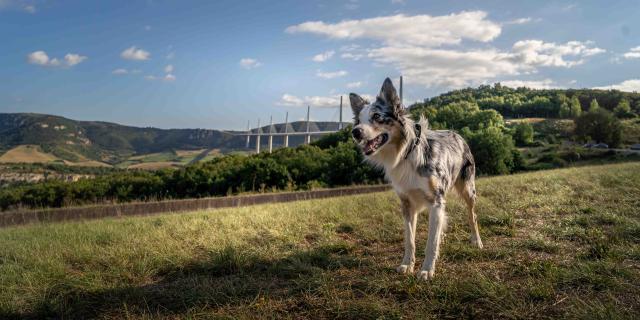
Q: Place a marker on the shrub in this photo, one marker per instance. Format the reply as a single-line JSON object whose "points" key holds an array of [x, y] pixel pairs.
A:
{"points": [[599, 125], [523, 134]]}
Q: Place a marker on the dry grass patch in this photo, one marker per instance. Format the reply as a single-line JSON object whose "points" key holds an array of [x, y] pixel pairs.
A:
{"points": [[27, 154]]}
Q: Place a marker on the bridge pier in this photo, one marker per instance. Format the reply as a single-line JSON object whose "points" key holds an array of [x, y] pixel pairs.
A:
{"points": [[258, 131], [248, 134], [308, 137], [271, 135], [286, 130]]}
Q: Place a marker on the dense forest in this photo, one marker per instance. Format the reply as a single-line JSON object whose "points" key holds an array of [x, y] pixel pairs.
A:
{"points": [[334, 160], [549, 103]]}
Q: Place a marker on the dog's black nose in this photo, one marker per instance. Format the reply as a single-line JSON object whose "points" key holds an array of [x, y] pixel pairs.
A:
{"points": [[357, 133]]}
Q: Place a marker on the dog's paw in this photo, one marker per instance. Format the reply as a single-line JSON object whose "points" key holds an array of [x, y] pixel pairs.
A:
{"points": [[405, 269], [425, 275], [477, 243]]}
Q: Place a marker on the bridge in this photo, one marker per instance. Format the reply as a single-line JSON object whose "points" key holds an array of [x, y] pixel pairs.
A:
{"points": [[286, 134]]}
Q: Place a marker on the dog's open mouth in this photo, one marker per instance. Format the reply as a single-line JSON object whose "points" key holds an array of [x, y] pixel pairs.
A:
{"points": [[374, 144]]}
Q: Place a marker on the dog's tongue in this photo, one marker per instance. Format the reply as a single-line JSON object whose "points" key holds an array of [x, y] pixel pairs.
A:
{"points": [[370, 147]]}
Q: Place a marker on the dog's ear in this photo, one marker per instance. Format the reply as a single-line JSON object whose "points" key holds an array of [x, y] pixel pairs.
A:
{"points": [[357, 103], [389, 94]]}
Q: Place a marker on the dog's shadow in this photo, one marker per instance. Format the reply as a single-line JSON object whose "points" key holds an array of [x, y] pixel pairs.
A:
{"points": [[226, 278]]}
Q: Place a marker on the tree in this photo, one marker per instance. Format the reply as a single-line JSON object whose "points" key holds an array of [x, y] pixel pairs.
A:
{"points": [[456, 115], [623, 109], [576, 107], [593, 106], [523, 134], [492, 150], [565, 111], [599, 125], [484, 119]]}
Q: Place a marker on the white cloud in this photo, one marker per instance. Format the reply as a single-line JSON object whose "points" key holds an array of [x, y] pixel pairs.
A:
{"points": [[426, 49], [634, 53], [331, 75], [631, 85], [120, 71], [42, 59], [71, 59], [18, 5], [170, 56], [432, 67], [397, 2], [167, 78], [419, 30], [533, 84], [169, 68], [324, 56], [352, 56], [356, 84], [519, 21], [38, 57], [134, 53], [539, 53], [350, 47], [249, 63], [453, 68], [289, 100]]}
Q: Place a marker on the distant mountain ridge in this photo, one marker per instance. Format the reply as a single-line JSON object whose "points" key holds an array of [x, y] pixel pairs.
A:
{"points": [[111, 143]]}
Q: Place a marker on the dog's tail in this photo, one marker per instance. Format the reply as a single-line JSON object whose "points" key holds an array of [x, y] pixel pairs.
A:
{"points": [[468, 173], [468, 170]]}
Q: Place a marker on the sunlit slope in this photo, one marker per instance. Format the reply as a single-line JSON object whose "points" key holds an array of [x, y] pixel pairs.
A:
{"points": [[558, 244]]}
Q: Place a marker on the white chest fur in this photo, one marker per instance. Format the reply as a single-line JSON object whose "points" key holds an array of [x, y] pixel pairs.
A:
{"points": [[404, 178]]}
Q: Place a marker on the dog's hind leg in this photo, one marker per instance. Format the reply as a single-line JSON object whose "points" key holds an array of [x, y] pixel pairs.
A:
{"points": [[467, 191], [437, 222], [410, 215]]}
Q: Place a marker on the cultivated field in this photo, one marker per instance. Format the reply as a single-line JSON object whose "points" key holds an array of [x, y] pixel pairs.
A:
{"points": [[27, 154], [558, 244], [152, 161]]}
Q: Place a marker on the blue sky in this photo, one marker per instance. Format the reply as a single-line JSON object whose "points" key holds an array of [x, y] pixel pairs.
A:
{"points": [[217, 64]]}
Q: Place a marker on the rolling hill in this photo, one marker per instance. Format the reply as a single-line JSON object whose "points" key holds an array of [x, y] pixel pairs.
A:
{"points": [[59, 138]]}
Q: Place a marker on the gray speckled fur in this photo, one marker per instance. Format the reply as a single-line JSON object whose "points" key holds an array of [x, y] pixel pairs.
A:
{"points": [[448, 158]]}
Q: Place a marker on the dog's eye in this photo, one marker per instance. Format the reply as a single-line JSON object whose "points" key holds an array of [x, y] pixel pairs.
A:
{"points": [[376, 117]]}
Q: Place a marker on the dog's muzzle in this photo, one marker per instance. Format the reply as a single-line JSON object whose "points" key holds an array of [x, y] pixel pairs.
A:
{"points": [[357, 134]]}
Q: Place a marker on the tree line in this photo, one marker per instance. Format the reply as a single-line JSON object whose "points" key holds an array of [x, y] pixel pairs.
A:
{"points": [[548, 103]]}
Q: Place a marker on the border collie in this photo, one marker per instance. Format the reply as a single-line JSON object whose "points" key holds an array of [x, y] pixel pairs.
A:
{"points": [[422, 166]]}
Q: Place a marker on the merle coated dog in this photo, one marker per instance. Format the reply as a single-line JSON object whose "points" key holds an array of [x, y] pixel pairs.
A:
{"points": [[422, 166]]}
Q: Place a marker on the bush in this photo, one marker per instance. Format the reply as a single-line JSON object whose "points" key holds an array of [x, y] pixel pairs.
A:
{"points": [[523, 134], [599, 125], [492, 150]]}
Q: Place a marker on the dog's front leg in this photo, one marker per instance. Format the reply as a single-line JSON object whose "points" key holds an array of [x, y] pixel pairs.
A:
{"points": [[410, 219], [436, 225]]}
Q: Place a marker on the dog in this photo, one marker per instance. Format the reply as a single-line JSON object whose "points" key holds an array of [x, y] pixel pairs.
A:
{"points": [[422, 166]]}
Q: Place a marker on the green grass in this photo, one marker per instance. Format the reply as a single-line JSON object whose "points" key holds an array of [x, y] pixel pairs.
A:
{"points": [[558, 244]]}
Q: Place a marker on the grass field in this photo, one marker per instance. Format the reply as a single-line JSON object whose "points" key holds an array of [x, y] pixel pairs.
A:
{"points": [[558, 244], [178, 158], [27, 154], [34, 154]]}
